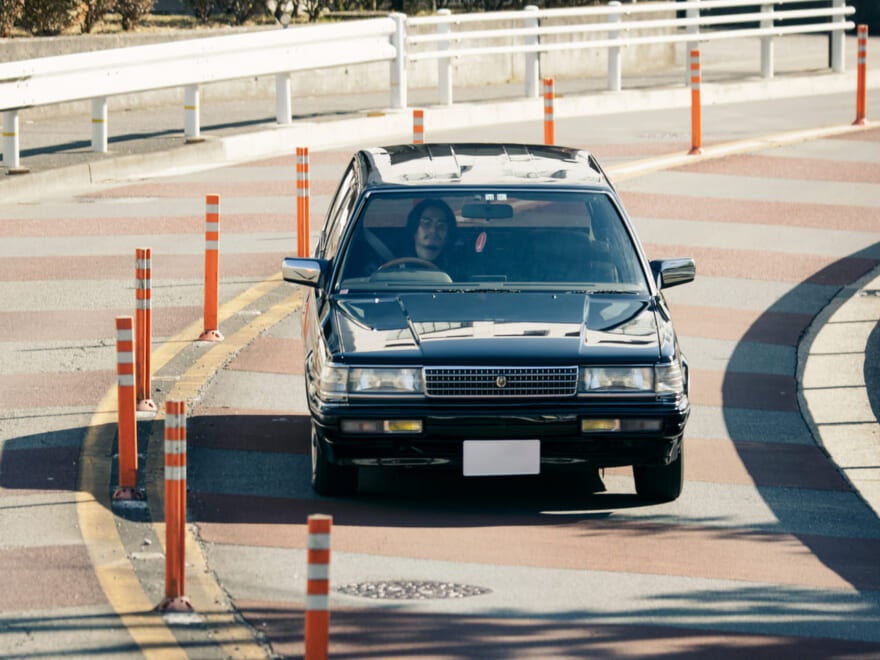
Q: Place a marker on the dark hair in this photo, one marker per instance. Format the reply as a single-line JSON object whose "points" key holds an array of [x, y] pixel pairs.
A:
{"points": [[412, 220]]}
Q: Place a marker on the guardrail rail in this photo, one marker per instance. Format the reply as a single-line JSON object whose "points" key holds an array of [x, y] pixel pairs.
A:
{"points": [[97, 75]]}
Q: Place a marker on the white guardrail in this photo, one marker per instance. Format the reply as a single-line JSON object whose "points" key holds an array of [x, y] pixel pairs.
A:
{"points": [[98, 75]]}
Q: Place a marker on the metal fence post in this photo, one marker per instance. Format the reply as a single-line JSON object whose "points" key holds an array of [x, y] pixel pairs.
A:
{"points": [[838, 46], [614, 71], [283, 111], [767, 63], [99, 125], [192, 126], [533, 58], [11, 145], [444, 64], [398, 65]]}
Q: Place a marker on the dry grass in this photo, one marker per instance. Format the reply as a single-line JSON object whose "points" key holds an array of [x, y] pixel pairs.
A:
{"points": [[112, 24]]}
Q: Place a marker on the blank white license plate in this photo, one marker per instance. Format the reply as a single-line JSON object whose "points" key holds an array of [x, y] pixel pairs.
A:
{"points": [[484, 458]]}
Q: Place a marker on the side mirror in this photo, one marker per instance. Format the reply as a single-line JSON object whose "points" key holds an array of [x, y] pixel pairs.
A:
{"points": [[302, 270], [672, 272]]}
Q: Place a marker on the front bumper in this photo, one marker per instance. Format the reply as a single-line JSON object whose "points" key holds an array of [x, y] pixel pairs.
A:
{"points": [[557, 427]]}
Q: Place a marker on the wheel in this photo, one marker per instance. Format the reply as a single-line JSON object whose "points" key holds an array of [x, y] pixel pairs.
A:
{"points": [[411, 261], [327, 478], [660, 483]]}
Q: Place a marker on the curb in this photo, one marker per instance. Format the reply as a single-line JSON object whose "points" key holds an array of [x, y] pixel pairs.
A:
{"points": [[832, 392], [114, 568]]}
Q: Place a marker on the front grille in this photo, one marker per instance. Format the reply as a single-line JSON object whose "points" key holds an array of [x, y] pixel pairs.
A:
{"points": [[500, 382]]}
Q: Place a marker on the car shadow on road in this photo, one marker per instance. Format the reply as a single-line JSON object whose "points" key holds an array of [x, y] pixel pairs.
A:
{"points": [[587, 633], [42, 461], [775, 443]]}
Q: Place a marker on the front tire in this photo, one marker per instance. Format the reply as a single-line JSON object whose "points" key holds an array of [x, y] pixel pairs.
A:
{"points": [[662, 483], [329, 479]]}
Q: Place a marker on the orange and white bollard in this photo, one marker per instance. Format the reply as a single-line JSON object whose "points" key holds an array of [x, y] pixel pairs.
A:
{"points": [[303, 210], [317, 633], [696, 107], [862, 91], [175, 509], [127, 423], [549, 119], [143, 318], [212, 269], [418, 127]]}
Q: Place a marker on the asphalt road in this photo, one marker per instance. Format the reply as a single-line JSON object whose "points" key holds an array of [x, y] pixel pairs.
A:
{"points": [[769, 552]]}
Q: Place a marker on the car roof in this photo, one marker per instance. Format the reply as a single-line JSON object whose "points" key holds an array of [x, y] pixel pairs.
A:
{"points": [[453, 164]]}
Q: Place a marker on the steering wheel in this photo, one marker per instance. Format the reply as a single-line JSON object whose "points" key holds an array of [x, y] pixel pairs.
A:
{"points": [[402, 261]]}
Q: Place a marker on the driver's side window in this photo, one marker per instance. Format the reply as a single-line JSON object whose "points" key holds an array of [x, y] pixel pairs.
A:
{"points": [[366, 253], [378, 238], [338, 214]]}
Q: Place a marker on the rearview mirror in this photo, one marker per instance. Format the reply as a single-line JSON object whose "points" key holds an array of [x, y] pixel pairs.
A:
{"points": [[487, 211]]}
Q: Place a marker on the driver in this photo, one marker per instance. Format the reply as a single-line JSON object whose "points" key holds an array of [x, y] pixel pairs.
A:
{"points": [[431, 223]]}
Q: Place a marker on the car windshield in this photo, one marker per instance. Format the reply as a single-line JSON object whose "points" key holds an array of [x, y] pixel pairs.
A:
{"points": [[490, 239]]}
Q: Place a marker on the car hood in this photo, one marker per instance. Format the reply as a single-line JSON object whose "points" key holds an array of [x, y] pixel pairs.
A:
{"points": [[496, 327]]}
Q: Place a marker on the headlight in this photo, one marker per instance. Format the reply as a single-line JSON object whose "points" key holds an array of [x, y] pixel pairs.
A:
{"points": [[331, 382], [661, 379], [669, 378], [384, 381], [335, 382], [617, 379]]}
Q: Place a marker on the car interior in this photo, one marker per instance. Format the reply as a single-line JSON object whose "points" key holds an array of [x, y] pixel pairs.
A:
{"points": [[517, 241]]}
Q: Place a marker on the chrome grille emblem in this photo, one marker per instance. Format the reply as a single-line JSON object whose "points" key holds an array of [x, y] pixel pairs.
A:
{"points": [[501, 381]]}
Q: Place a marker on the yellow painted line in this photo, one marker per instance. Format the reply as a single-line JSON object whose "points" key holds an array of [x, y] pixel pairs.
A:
{"points": [[113, 568], [173, 346], [97, 523], [205, 594]]}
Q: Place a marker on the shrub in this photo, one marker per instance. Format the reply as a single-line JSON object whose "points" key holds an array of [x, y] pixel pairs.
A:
{"points": [[313, 8], [10, 12], [132, 11], [94, 12], [242, 10], [50, 17], [201, 9]]}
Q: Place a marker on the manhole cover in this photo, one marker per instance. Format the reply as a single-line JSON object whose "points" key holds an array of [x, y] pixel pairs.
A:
{"points": [[411, 590]]}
